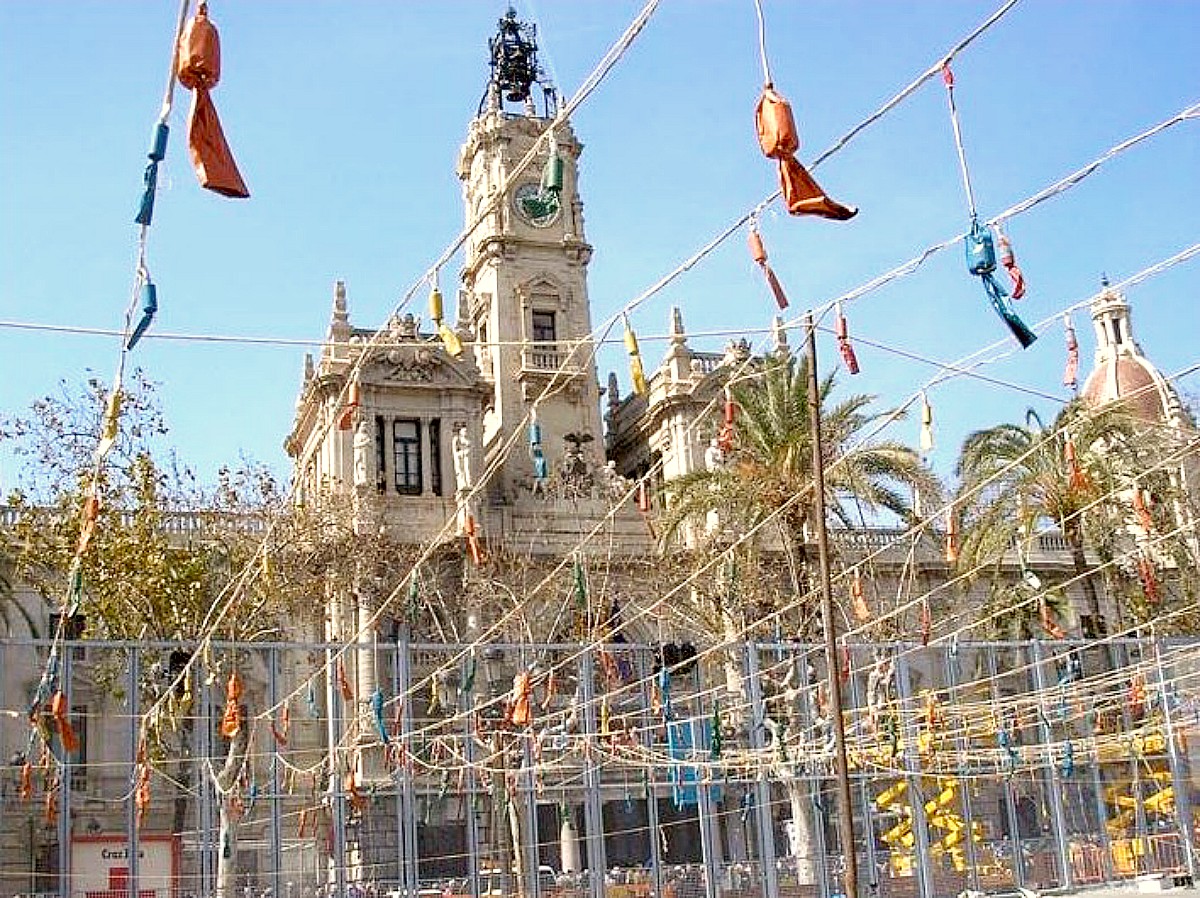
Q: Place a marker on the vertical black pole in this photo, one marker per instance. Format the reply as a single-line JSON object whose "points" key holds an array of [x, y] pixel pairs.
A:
{"points": [[276, 829], [131, 815], [845, 821]]}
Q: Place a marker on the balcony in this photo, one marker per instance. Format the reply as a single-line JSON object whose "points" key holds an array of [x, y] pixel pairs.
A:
{"points": [[548, 359]]}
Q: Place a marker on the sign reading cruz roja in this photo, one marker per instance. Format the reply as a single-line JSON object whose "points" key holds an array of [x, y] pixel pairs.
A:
{"points": [[100, 866]]}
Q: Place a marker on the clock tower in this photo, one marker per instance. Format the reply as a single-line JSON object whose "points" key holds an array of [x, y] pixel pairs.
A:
{"points": [[524, 280]]}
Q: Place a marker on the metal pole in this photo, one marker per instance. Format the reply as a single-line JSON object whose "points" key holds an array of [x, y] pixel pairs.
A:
{"points": [[864, 797], [1006, 785], [845, 818], [762, 788], [337, 807], [474, 854], [276, 819], [912, 764], [131, 815], [815, 780], [205, 825], [400, 690], [531, 856], [406, 799], [593, 812], [1179, 778], [1057, 817], [704, 810], [645, 674], [962, 743]]}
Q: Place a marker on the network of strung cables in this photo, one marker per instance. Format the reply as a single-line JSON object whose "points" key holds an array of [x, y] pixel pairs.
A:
{"points": [[887, 737]]}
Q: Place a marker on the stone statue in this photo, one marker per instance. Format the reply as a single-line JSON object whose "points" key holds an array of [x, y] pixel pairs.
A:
{"points": [[362, 455], [615, 486], [461, 446], [714, 457], [576, 477]]}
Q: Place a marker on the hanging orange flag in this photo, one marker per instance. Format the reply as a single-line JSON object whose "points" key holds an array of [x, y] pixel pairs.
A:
{"points": [[199, 70]]}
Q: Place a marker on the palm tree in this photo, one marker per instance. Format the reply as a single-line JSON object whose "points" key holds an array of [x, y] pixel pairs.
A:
{"points": [[1015, 480], [11, 608], [767, 481]]}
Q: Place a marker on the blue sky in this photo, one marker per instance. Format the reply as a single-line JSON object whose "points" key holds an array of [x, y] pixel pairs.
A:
{"points": [[346, 118]]}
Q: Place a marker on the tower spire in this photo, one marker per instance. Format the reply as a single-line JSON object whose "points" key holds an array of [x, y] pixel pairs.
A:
{"points": [[515, 68]]}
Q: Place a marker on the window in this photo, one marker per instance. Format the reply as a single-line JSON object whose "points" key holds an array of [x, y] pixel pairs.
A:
{"points": [[435, 456], [406, 443], [1092, 627], [380, 455], [79, 714], [543, 328]]}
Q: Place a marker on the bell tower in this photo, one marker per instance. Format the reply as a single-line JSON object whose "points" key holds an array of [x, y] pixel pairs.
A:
{"points": [[524, 282]]}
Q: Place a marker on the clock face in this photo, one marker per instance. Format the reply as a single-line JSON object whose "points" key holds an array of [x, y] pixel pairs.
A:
{"points": [[535, 206]]}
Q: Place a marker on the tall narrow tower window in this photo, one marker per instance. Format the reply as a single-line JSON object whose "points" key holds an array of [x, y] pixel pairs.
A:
{"points": [[1117, 330], [380, 454], [543, 327], [406, 441], [435, 456], [544, 353]]}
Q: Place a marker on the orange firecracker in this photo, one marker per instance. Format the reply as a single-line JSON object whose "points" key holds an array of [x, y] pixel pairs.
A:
{"points": [[858, 602], [66, 732], [779, 140], [1142, 511], [344, 682], [231, 721], [199, 69], [519, 714], [1049, 624], [474, 549], [759, 253], [845, 347], [87, 529], [280, 730], [951, 537], [1078, 478]]}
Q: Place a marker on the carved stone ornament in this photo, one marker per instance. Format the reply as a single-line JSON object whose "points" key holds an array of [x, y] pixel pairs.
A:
{"points": [[412, 364]]}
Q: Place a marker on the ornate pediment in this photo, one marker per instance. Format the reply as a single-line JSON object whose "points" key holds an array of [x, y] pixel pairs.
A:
{"points": [[424, 362]]}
